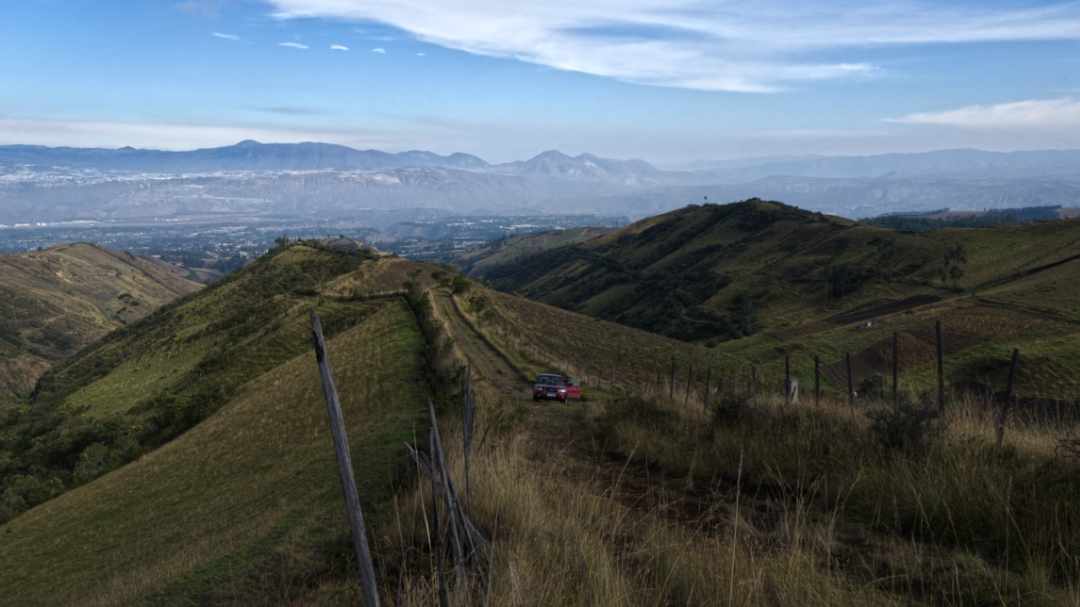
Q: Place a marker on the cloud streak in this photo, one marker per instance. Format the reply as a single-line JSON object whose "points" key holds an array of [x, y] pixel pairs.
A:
{"points": [[338, 47], [1028, 114], [379, 50], [761, 46], [295, 45], [222, 36], [177, 136]]}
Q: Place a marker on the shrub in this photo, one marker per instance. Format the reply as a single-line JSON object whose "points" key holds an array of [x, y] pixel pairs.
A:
{"points": [[904, 427], [460, 284]]}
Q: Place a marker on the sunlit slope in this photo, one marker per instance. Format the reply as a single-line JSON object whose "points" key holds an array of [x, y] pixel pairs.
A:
{"points": [[56, 301], [212, 342], [244, 507]]}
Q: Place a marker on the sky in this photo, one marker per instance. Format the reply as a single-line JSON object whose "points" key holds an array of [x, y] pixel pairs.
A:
{"points": [[669, 81]]}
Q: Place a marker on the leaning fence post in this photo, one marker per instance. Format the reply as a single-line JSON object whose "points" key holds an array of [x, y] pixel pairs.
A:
{"points": [[345, 469], [940, 369], [850, 381], [438, 462], [436, 541], [468, 423], [1007, 404]]}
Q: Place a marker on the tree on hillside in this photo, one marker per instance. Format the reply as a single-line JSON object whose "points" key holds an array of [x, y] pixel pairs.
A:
{"points": [[954, 263]]}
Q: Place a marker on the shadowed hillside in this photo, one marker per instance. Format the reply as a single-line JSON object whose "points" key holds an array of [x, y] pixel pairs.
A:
{"points": [[54, 302], [758, 279]]}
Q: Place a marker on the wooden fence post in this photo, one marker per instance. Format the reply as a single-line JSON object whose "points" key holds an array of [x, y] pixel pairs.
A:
{"points": [[438, 462], [366, 568], [850, 380], [436, 543], [896, 369], [1003, 412], [817, 380], [469, 421], [940, 369]]}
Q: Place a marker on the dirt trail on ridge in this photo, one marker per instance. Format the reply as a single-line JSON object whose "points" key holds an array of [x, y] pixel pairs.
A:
{"points": [[486, 360]]}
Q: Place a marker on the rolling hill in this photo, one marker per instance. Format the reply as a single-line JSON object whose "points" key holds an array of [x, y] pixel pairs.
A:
{"points": [[185, 459], [756, 279], [57, 301]]}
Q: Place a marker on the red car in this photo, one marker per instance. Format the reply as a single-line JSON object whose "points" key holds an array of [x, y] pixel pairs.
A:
{"points": [[555, 386]]}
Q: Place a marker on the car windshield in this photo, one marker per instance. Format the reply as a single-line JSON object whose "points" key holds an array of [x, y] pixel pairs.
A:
{"points": [[550, 380]]}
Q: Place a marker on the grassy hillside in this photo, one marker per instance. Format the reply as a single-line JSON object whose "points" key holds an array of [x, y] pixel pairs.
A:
{"points": [[55, 302], [150, 381], [654, 491], [649, 493], [757, 279], [246, 507]]}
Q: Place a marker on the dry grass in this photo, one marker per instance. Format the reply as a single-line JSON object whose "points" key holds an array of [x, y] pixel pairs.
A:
{"points": [[560, 538]]}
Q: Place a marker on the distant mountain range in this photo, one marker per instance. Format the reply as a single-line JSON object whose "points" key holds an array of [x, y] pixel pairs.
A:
{"points": [[255, 156], [251, 178]]}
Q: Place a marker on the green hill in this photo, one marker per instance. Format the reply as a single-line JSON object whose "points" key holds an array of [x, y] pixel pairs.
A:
{"points": [[150, 381], [57, 301], [756, 279], [187, 453], [185, 459]]}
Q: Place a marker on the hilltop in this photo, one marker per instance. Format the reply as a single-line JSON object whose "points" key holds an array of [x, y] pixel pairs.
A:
{"points": [[57, 301]]}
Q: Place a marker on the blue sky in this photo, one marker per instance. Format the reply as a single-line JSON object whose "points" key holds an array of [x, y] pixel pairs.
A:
{"points": [[670, 81]]}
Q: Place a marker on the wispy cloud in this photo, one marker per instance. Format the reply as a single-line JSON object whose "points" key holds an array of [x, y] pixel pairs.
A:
{"points": [[290, 110], [233, 37], [1029, 114], [295, 45], [338, 47], [421, 54], [379, 50], [177, 136], [720, 46]]}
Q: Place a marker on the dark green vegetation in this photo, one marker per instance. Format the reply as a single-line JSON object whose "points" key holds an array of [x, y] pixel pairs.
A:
{"points": [[56, 301], [147, 383], [936, 220], [757, 279], [245, 508], [187, 456]]}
